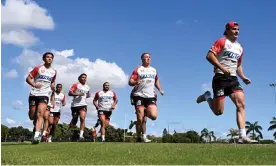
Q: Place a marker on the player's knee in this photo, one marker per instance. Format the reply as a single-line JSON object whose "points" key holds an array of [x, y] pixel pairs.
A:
{"points": [[153, 117], [82, 119], [219, 112], [241, 106]]}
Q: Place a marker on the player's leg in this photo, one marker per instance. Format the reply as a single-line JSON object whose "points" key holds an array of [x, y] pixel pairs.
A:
{"points": [[46, 124], [75, 115], [107, 117], [50, 122], [103, 124], [32, 107], [53, 130], [41, 108], [82, 121], [140, 110], [144, 129]]}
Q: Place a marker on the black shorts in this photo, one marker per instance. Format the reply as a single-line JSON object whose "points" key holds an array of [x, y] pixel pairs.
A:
{"points": [[140, 101], [35, 100], [107, 114], [225, 85], [55, 114], [76, 110]]}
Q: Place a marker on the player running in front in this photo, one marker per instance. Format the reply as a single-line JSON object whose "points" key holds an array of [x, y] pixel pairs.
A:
{"points": [[105, 102], [145, 79], [55, 111], [80, 91], [226, 55], [42, 81]]}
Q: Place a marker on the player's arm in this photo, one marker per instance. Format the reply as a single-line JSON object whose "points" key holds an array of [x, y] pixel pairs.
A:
{"points": [[53, 82], [214, 51], [158, 85], [63, 101], [30, 77], [240, 69], [134, 78], [88, 94], [72, 91], [115, 99], [53, 99], [95, 100]]}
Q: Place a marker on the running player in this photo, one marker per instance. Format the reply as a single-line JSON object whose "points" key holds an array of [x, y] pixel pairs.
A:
{"points": [[42, 81], [145, 78], [105, 102], [80, 91], [226, 55], [54, 117]]}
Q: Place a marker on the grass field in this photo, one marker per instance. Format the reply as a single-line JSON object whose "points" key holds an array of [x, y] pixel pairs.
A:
{"points": [[83, 153]]}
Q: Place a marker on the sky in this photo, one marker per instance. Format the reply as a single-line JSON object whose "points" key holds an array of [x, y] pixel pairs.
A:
{"points": [[105, 39]]}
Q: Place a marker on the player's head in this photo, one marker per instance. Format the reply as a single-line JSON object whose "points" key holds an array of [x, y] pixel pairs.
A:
{"points": [[232, 30], [48, 58], [106, 86], [82, 78], [145, 57], [58, 88]]}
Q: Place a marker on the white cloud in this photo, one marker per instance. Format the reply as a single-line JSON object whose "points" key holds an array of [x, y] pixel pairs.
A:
{"points": [[179, 22], [20, 15], [64, 53], [17, 104], [69, 69], [10, 121], [11, 74]]}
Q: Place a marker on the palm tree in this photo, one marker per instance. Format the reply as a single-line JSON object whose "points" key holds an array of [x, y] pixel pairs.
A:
{"points": [[273, 126], [254, 127], [207, 134], [233, 134]]}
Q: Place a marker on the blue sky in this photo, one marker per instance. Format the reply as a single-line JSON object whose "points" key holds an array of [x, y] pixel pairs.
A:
{"points": [[178, 34]]}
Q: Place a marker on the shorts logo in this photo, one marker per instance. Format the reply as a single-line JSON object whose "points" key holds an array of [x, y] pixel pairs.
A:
{"points": [[101, 113], [32, 102], [220, 92], [138, 102], [51, 114]]}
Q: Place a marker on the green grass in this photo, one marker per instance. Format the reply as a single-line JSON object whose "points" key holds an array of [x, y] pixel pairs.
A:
{"points": [[83, 153]]}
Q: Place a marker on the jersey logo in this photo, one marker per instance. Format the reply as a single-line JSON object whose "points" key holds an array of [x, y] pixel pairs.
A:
{"points": [[231, 55], [147, 76], [43, 77]]}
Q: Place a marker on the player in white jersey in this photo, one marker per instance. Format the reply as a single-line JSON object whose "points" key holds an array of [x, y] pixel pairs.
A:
{"points": [[145, 79], [226, 55], [105, 102], [80, 91], [55, 111], [42, 81]]}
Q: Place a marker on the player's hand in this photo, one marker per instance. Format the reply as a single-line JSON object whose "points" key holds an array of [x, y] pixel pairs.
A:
{"points": [[38, 85], [53, 104], [162, 92], [138, 81], [112, 108], [81, 94], [53, 87], [246, 80], [226, 71]]}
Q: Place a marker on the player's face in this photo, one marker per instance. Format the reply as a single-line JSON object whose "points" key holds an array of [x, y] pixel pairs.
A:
{"points": [[48, 59], [59, 88], [83, 79], [106, 86], [146, 59], [234, 32]]}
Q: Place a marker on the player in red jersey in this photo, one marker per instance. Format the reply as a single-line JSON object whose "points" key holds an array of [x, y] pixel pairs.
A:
{"points": [[145, 79], [105, 102], [226, 55], [42, 81]]}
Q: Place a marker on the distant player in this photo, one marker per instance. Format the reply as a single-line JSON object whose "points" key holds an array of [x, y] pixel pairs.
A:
{"points": [[80, 91], [42, 81], [145, 79], [226, 55], [105, 102], [55, 111]]}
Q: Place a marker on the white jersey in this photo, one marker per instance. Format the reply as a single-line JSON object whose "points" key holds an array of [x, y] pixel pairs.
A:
{"points": [[105, 99], [229, 54], [80, 100], [45, 76], [59, 99], [148, 77]]}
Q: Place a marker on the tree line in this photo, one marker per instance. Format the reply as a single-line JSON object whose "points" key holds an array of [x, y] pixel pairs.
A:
{"points": [[63, 133]]}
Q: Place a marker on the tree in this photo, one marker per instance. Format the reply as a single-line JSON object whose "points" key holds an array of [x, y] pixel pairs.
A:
{"points": [[193, 135], [4, 131], [233, 134], [254, 127], [209, 135], [273, 126]]}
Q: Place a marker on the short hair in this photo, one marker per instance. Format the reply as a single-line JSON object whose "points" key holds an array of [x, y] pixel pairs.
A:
{"points": [[83, 74], [105, 83], [142, 56], [46, 53], [59, 85]]}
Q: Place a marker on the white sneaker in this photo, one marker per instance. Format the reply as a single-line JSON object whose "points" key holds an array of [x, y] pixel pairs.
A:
{"points": [[146, 140], [246, 140], [50, 139]]}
